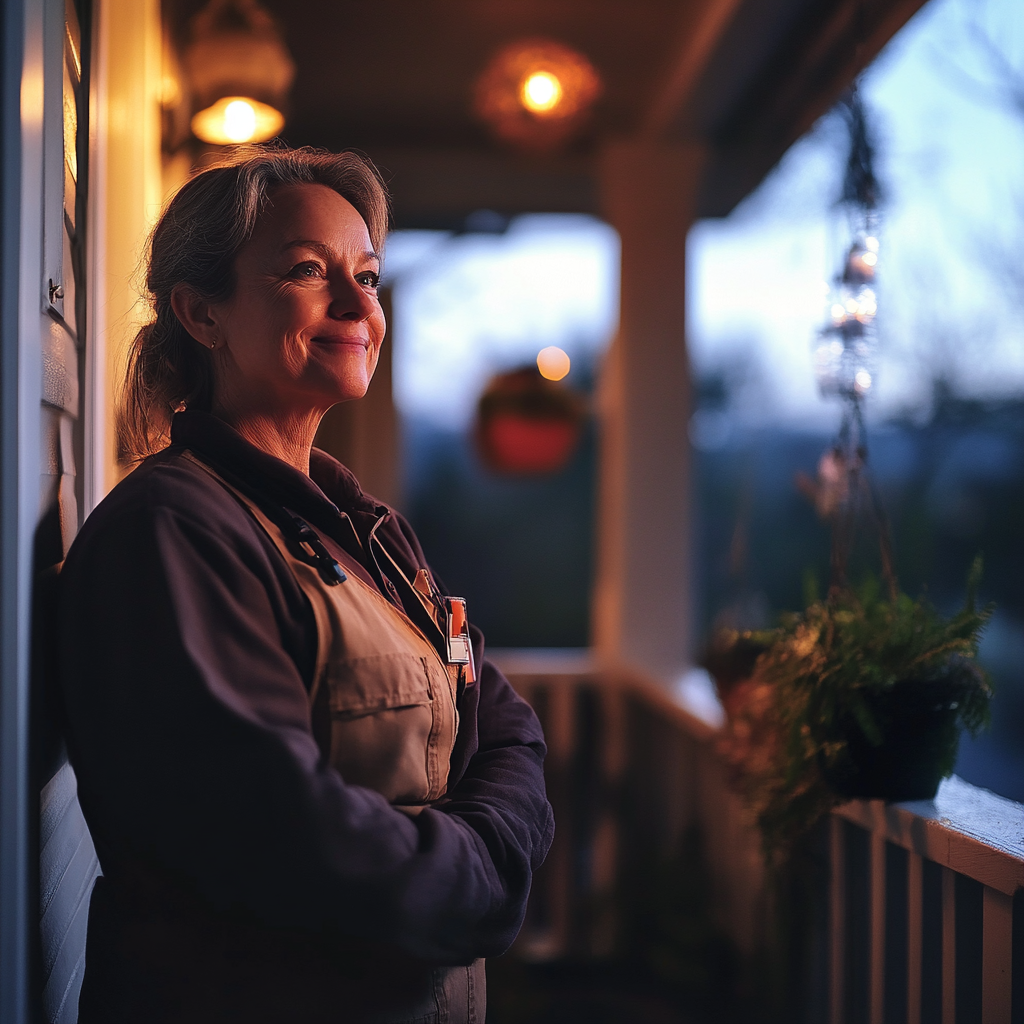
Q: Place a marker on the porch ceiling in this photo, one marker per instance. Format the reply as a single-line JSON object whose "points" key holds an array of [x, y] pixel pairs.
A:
{"points": [[395, 79]]}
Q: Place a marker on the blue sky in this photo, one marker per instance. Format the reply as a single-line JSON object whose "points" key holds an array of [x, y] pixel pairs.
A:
{"points": [[951, 157]]}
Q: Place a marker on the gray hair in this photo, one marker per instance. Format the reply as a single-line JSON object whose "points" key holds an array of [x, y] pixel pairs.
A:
{"points": [[196, 242]]}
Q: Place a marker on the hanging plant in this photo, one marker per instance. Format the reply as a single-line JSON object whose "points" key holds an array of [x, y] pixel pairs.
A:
{"points": [[865, 693], [860, 695]]}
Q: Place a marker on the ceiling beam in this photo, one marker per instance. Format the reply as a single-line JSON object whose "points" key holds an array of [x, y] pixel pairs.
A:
{"points": [[803, 80], [700, 37], [442, 188]]}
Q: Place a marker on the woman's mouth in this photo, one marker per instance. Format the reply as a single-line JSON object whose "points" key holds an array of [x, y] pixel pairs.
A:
{"points": [[363, 343]]}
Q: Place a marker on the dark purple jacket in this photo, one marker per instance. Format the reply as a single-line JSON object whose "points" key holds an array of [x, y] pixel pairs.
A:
{"points": [[240, 871]]}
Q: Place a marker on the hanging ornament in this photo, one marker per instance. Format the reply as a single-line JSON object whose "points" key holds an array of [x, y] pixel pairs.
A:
{"points": [[844, 362], [528, 424], [844, 354]]}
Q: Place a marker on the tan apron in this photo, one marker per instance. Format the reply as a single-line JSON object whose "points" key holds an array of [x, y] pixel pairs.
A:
{"points": [[391, 697], [393, 717]]}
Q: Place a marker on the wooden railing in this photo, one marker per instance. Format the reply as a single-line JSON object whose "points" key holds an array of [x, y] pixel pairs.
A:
{"points": [[920, 915], [926, 915]]}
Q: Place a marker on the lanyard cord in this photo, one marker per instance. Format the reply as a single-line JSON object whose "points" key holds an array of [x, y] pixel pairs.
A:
{"points": [[305, 539]]}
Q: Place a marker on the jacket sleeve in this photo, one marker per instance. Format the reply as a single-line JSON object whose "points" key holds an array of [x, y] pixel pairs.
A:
{"points": [[188, 725], [497, 777], [512, 819]]}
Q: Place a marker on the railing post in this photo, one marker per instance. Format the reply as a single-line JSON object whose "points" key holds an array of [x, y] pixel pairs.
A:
{"points": [[561, 740], [876, 1004], [606, 834], [837, 919], [948, 946], [997, 953], [915, 893]]}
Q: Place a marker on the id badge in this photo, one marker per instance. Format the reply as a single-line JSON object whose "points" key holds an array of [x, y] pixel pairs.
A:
{"points": [[460, 650]]}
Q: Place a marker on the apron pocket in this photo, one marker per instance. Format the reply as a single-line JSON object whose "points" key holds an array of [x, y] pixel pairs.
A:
{"points": [[381, 724]]}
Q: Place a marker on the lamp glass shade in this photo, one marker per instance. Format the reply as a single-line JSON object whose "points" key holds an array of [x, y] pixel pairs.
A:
{"points": [[234, 120]]}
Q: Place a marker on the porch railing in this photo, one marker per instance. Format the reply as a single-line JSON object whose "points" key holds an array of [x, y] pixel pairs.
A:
{"points": [[921, 916]]}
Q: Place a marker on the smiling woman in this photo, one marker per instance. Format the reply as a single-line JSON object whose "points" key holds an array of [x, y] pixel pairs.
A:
{"points": [[312, 797]]}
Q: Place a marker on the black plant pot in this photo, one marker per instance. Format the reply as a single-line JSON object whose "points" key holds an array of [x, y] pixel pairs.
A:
{"points": [[920, 735]]}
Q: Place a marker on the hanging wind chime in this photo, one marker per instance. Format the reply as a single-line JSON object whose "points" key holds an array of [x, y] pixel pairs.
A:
{"points": [[844, 357]]}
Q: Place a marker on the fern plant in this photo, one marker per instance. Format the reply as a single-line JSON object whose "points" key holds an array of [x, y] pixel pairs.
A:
{"points": [[826, 688]]}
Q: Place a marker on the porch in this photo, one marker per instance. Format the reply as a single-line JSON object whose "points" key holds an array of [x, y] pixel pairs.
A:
{"points": [[654, 904]]}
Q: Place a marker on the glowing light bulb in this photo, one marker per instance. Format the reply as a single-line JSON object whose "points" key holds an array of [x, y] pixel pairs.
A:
{"points": [[862, 380], [552, 362], [541, 92], [871, 243], [237, 119], [838, 311], [869, 259], [851, 305]]}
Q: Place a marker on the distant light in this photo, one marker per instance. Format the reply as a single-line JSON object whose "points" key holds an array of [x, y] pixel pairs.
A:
{"points": [[869, 258], [838, 311], [542, 92], [871, 243], [552, 362], [237, 119], [862, 380], [851, 305]]}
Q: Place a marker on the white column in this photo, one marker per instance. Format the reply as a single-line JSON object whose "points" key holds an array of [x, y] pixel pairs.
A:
{"points": [[642, 603]]}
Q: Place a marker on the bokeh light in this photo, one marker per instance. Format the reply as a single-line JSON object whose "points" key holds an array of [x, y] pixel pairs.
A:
{"points": [[542, 92], [552, 362], [536, 93]]}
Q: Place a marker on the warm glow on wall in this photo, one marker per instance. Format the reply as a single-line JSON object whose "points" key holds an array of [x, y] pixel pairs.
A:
{"points": [[552, 362], [235, 120], [541, 92]]}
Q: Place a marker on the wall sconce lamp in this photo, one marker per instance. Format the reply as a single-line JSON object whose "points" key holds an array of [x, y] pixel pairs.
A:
{"points": [[240, 72]]}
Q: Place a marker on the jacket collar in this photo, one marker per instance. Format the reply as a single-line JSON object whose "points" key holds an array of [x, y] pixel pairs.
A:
{"points": [[328, 489]]}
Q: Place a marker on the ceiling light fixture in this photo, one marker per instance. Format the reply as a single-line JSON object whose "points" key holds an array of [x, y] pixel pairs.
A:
{"points": [[240, 72], [536, 93]]}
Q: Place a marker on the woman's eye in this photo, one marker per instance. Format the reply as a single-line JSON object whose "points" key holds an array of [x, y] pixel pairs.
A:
{"points": [[307, 270], [368, 279]]}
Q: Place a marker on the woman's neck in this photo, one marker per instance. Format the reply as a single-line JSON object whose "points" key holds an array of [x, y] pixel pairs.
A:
{"points": [[288, 438]]}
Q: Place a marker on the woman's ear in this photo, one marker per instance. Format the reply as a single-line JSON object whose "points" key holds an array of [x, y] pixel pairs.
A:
{"points": [[195, 314]]}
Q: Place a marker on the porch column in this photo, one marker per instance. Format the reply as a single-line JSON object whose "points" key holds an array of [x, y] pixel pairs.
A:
{"points": [[642, 602]]}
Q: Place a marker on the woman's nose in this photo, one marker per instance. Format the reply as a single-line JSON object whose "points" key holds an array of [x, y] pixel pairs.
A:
{"points": [[350, 300]]}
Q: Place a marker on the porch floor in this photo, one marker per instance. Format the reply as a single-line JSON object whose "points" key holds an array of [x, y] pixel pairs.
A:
{"points": [[563, 992]]}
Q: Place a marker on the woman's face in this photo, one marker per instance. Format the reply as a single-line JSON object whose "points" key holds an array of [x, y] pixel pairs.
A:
{"points": [[304, 327]]}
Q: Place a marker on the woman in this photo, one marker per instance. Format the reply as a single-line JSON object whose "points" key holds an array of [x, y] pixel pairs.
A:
{"points": [[312, 798]]}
